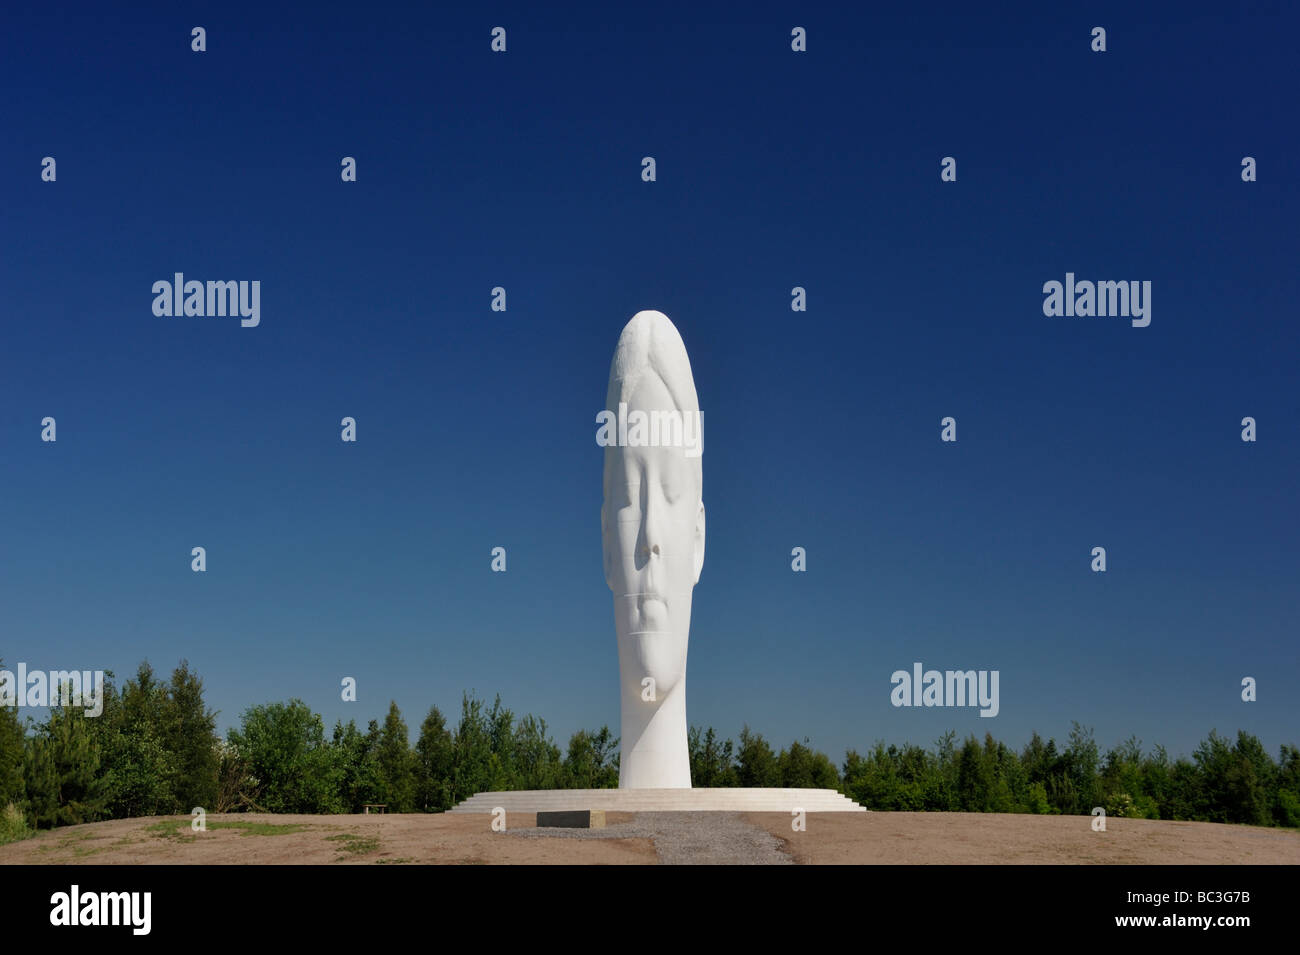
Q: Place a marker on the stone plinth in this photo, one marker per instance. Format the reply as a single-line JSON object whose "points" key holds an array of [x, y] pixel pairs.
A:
{"points": [[661, 800]]}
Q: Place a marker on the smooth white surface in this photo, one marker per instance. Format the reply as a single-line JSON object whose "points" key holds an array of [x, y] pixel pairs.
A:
{"points": [[652, 533], [662, 800]]}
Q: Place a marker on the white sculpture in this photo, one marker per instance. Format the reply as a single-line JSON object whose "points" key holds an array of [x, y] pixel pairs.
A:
{"points": [[652, 534], [652, 531]]}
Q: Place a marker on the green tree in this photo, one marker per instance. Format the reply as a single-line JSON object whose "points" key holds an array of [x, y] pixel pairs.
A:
{"points": [[234, 782], [40, 782], [473, 767], [1239, 781], [139, 767], [1286, 809], [1186, 792], [67, 770], [396, 767], [756, 763], [920, 782], [433, 759], [886, 779], [801, 767], [189, 733], [713, 763], [537, 763], [975, 778], [12, 743], [356, 769], [290, 766], [1156, 774], [501, 737], [1038, 759], [1036, 800], [592, 760], [139, 774], [1215, 766], [1124, 785], [1081, 761], [942, 795]]}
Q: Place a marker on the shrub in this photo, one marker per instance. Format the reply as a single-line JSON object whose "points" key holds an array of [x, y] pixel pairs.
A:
{"points": [[13, 826], [1037, 801]]}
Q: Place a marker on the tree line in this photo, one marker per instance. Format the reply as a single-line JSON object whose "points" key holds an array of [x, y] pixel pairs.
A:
{"points": [[1224, 781], [155, 751]]}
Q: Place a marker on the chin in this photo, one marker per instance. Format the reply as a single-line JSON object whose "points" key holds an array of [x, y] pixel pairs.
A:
{"points": [[660, 656]]}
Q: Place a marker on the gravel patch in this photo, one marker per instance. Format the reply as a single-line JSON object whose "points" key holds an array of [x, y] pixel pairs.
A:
{"points": [[685, 838]]}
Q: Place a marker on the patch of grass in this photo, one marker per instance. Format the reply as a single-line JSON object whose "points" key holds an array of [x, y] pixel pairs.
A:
{"points": [[261, 828], [13, 825], [405, 860], [74, 842], [181, 831], [172, 829], [80, 852], [352, 844]]}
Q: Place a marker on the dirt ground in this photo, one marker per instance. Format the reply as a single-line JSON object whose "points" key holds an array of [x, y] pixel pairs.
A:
{"points": [[834, 838], [875, 838], [262, 839]]}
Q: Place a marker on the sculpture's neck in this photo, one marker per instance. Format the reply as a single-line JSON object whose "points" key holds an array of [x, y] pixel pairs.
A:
{"points": [[654, 750]]}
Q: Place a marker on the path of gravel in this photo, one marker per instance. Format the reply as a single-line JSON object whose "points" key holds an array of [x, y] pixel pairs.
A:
{"points": [[684, 838]]}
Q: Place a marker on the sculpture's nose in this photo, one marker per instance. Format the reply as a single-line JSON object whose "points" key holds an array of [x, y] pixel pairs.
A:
{"points": [[651, 531], [649, 544]]}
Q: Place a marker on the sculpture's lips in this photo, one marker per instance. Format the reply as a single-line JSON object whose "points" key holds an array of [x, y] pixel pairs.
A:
{"points": [[651, 612]]}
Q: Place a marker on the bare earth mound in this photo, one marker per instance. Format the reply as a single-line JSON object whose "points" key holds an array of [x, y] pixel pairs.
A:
{"points": [[647, 838], [262, 839], [991, 838]]}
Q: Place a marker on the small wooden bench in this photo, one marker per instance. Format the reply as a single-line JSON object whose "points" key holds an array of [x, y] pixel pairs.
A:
{"points": [[379, 806]]}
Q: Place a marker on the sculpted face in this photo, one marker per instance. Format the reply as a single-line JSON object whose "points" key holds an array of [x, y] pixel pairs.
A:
{"points": [[654, 521], [652, 532]]}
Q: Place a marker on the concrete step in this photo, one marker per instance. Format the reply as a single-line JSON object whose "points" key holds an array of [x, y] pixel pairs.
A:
{"points": [[726, 799], [661, 800]]}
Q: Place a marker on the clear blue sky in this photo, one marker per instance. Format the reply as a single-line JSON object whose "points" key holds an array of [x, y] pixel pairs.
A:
{"points": [[476, 428]]}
